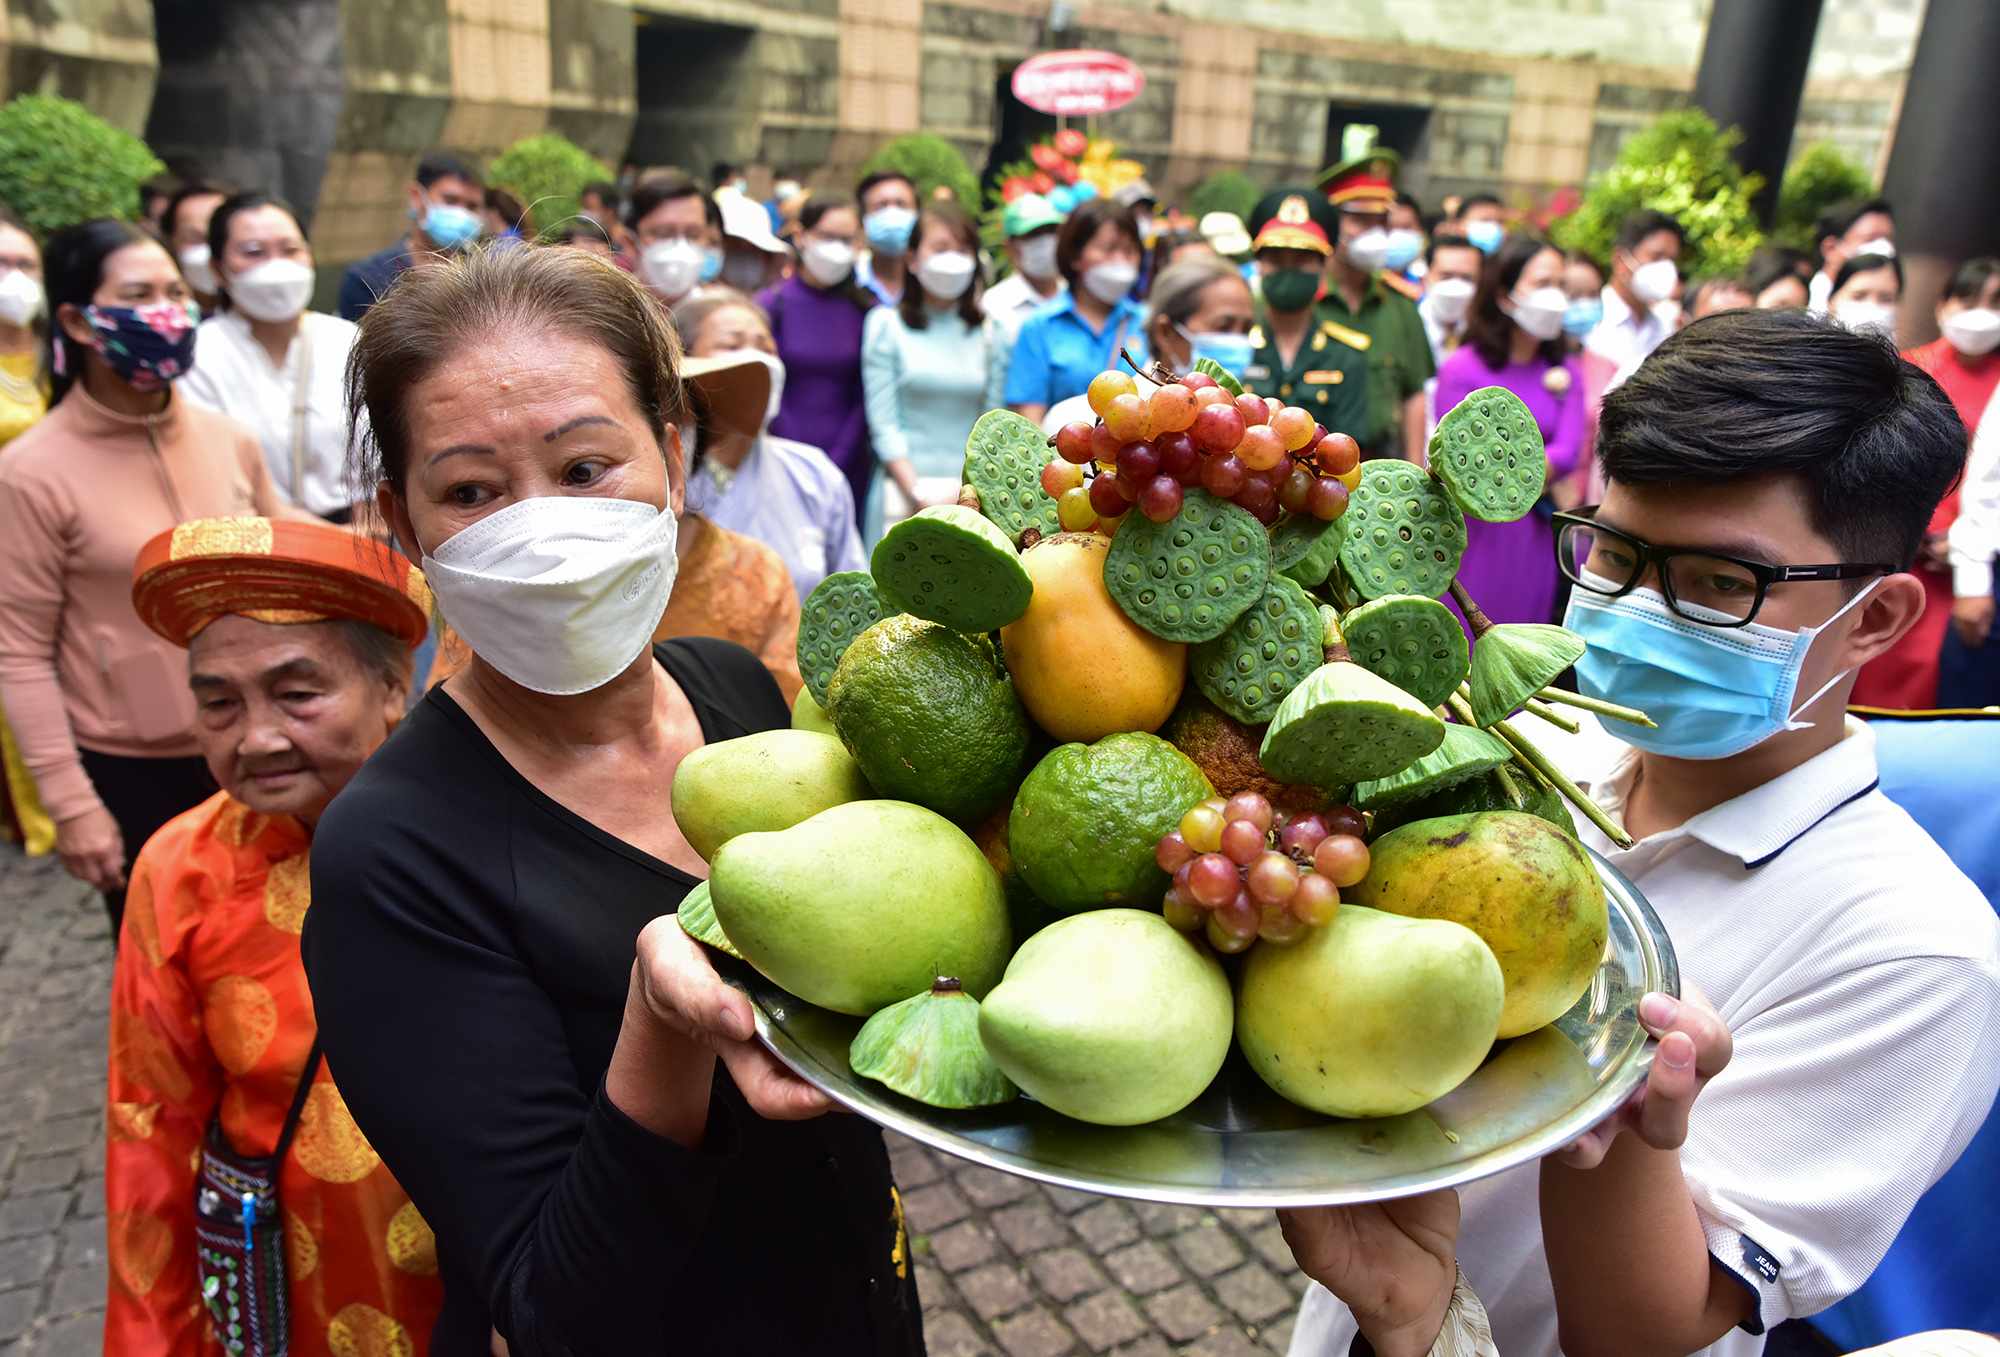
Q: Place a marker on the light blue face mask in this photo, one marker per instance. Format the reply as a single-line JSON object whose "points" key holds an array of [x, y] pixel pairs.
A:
{"points": [[1715, 691], [1582, 316], [448, 227], [1404, 247], [1232, 353], [711, 264], [1487, 235], [889, 230]]}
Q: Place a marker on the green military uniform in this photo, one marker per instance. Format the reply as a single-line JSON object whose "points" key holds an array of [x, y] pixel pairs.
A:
{"points": [[1328, 376], [1398, 355]]}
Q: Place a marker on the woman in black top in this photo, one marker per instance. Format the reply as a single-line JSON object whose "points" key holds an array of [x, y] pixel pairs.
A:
{"points": [[574, 1100]]}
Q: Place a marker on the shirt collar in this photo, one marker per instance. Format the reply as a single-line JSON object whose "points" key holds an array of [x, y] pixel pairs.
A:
{"points": [[1763, 822], [1617, 311]]}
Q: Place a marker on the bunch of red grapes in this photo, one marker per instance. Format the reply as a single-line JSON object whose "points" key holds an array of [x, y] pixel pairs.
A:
{"points": [[1261, 454], [1241, 873]]}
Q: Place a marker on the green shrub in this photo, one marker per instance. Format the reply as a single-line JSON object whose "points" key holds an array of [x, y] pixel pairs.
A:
{"points": [[930, 162], [1224, 191], [547, 173], [1819, 178], [61, 164], [1679, 165]]}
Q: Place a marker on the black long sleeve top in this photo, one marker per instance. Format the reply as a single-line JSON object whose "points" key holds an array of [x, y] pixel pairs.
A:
{"points": [[470, 946]]}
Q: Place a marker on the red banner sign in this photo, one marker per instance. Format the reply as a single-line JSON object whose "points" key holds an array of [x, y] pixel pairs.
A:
{"points": [[1079, 83]]}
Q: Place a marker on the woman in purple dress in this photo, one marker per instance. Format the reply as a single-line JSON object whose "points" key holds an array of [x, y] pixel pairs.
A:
{"points": [[1514, 338], [816, 321]]}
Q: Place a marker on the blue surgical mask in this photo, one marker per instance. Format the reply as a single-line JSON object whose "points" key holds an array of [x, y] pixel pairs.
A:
{"points": [[448, 227], [1582, 317], [1715, 691], [711, 264], [1487, 235], [1404, 246], [1231, 352], [889, 230]]}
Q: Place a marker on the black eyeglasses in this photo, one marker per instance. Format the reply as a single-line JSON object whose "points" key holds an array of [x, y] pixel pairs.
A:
{"points": [[1702, 586]]}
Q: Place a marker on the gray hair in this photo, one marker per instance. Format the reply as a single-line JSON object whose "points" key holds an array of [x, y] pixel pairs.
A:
{"points": [[1177, 291], [690, 314]]}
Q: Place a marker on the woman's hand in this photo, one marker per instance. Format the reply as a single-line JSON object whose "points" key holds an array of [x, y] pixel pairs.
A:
{"points": [[681, 991], [1393, 1263], [1972, 619], [1694, 1046], [92, 849]]}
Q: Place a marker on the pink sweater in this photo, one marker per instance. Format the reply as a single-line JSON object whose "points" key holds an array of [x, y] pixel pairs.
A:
{"points": [[80, 493]]}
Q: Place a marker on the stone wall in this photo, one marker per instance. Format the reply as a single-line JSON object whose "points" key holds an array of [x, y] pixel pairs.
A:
{"points": [[97, 52]]}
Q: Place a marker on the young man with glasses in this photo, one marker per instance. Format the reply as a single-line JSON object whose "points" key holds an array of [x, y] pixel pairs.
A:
{"points": [[1770, 479]]}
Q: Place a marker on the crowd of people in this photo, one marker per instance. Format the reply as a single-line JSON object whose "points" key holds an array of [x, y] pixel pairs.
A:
{"points": [[624, 452]]}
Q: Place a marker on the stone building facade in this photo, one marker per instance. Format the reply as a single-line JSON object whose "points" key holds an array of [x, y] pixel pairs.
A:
{"points": [[332, 100]]}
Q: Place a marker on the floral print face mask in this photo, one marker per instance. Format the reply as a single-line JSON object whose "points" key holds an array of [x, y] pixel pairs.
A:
{"points": [[147, 346]]}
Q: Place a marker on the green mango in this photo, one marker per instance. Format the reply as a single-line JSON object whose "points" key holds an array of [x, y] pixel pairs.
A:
{"points": [[770, 780], [863, 905], [1110, 1017], [1371, 1016], [809, 715], [1525, 887]]}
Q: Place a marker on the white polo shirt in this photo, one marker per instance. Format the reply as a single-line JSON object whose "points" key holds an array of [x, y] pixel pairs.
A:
{"points": [[232, 373], [1013, 299], [1625, 336], [1859, 972]]}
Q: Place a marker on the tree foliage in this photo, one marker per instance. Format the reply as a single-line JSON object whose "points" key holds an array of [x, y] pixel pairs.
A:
{"points": [[931, 163], [61, 164], [1224, 191], [1822, 176], [547, 173], [1680, 165]]}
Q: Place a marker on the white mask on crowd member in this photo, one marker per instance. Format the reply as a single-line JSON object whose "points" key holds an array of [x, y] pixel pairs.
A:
{"points": [[947, 275], [1864, 317], [1881, 245], [21, 297], [195, 268], [673, 267], [826, 262], [1973, 331], [273, 291], [560, 592], [1540, 313], [1038, 257], [1654, 283], [1111, 282], [1448, 299], [1369, 250]]}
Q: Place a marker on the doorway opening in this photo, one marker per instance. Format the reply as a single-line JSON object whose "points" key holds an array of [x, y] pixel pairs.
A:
{"points": [[697, 92]]}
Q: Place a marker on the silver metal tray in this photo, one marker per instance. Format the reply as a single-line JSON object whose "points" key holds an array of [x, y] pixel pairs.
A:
{"points": [[1240, 1144]]}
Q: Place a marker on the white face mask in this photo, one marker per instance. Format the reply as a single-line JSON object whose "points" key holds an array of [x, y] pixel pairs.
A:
{"points": [[273, 291], [1448, 298], [826, 262], [1540, 313], [1877, 318], [673, 267], [1369, 250], [1972, 332], [1881, 245], [20, 297], [1038, 257], [1654, 283], [561, 592], [1111, 282], [947, 275], [195, 268]]}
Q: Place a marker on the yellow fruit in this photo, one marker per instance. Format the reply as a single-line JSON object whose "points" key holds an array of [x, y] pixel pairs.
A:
{"points": [[1084, 669]]}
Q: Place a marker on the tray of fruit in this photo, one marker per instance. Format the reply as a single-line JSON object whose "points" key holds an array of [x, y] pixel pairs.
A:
{"points": [[1148, 825]]}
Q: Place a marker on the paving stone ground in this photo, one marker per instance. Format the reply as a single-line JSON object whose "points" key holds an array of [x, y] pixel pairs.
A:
{"points": [[1006, 1268]]}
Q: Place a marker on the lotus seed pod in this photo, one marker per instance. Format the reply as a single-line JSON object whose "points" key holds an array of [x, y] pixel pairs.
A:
{"points": [[840, 608], [1301, 535], [1404, 533], [927, 1047], [1514, 661], [1413, 642], [696, 917], [1488, 452], [1465, 754], [951, 566], [1345, 725], [1188, 578], [1004, 458], [1266, 652]]}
